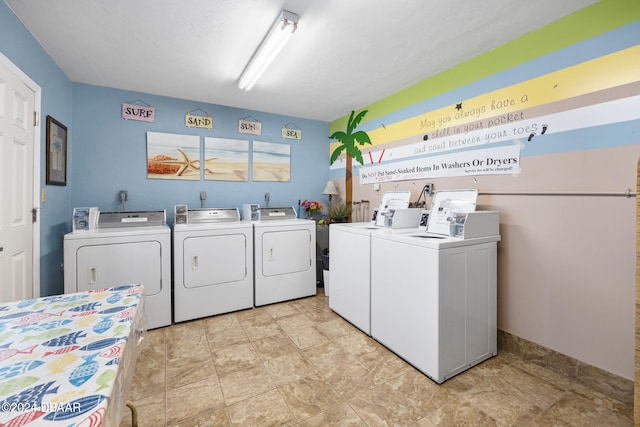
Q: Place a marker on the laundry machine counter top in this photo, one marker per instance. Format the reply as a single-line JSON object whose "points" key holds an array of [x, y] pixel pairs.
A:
{"points": [[434, 241]]}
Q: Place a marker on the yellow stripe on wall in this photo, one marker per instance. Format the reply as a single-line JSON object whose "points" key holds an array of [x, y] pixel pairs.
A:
{"points": [[619, 68]]}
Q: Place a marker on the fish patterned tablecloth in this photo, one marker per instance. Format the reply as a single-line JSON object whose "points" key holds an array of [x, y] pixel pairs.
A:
{"points": [[68, 360]]}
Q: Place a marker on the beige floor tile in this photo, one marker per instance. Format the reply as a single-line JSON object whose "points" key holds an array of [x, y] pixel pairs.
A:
{"points": [[268, 409], [299, 363], [186, 370], [220, 323], [248, 317], [574, 410], [241, 385], [458, 412], [309, 396], [294, 321], [152, 350], [357, 343], [384, 406], [226, 338], [236, 357], [151, 412], [192, 400], [217, 418], [262, 328], [340, 416], [335, 328], [502, 401], [327, 355], [349, 378], [384, 364], [323, 314], [147, 382], [281, 310], [185, 331], [187, 340], [599, 399], [288, 368], [306, 336], [274, 346], [425, 395]]}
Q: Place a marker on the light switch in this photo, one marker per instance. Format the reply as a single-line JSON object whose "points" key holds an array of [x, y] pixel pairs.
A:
{"points": [[43, 198]]}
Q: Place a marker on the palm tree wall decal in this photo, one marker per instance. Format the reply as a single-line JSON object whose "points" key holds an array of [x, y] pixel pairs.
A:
{"points": [[349, 142]]}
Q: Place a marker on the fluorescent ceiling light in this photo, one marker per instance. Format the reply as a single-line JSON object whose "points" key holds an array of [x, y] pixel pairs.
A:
{"points": [[280, 32]]}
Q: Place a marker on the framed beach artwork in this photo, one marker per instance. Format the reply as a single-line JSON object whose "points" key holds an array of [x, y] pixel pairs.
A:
{"points": [[271, 162], [226, 159], [173, 156]]}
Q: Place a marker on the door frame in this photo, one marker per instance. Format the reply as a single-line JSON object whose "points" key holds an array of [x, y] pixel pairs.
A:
{"points": [[36, 168]]}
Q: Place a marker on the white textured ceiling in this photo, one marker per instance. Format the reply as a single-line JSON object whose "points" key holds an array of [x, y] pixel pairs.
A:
{"points": [[345, 54]]}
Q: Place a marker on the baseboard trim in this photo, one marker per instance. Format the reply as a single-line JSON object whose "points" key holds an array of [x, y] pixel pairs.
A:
{"points": [[598, 379]]}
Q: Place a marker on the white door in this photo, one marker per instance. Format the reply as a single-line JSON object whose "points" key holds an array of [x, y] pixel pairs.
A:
{"points": [[17, 104]]}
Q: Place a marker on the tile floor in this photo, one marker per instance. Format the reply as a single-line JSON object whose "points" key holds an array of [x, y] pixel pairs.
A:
{"points": [[299, 364]]}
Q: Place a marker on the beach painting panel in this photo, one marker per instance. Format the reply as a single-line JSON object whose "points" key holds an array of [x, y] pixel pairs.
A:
{"points": [[173, 156], [226, 159], [271, 162]]}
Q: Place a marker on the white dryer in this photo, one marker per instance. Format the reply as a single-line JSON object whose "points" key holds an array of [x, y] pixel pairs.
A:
{"points": [[213, 263], [126, 248], [284, 256]]}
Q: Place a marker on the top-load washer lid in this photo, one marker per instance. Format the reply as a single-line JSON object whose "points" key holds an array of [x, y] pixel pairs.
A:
{"points": [[445, 204], [267, 214], [208, 215], [132, 219], [392, 200]]}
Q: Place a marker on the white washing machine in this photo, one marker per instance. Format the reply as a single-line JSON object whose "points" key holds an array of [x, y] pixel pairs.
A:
{"points": [[213, 263], [433, 296], [350, 257], [284, 256], [126, 248], [350, 274]]}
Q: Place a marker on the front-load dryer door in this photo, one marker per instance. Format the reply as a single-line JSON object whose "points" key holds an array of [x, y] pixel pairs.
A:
{"points": [[115, 264], [287, 251], [214, 260]]}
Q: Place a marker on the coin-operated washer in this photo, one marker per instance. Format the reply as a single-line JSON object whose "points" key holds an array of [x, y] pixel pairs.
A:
{"points": [[213, 262], [123, 248], [350, 256], [433, 292], [284, 256]]}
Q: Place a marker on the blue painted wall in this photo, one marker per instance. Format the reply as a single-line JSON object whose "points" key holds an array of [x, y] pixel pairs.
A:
{"points": [[17, 44], [110, 154], [107, 154]]}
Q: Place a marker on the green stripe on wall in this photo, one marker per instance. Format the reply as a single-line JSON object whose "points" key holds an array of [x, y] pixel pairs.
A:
{"points": [[591, 21]]}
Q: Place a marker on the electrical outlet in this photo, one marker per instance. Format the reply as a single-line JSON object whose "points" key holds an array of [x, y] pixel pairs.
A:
{"points": [[124, 196], [203, 195], [428, 188]]}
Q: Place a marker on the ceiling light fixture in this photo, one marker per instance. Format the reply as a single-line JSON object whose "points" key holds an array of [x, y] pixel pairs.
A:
{"points": [[280, 32]]}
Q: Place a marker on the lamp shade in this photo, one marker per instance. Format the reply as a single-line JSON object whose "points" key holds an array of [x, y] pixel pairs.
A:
{"points": [[330, 189]]}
